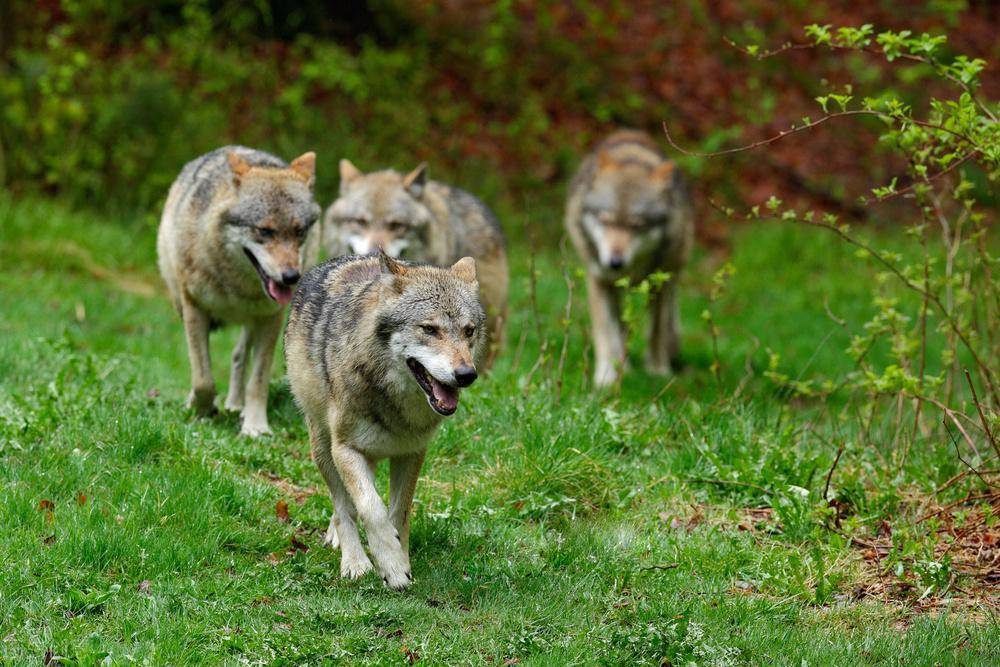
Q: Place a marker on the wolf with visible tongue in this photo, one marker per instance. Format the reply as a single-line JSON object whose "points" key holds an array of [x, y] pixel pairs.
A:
{"points": [[377, 352], [230, 252]]}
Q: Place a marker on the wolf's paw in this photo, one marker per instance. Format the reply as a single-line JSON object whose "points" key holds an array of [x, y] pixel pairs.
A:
{"points": [[255, 430], [330, 538], [393, 565], [605, 377], [354, 567], [397, 580], [202, 402], [255, 427], [658, 367], [233, 403]]}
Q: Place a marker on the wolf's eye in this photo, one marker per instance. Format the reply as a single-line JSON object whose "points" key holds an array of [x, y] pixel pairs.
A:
{"points": [[429, 329], [469, 331], [265, 232], [396, 226]]}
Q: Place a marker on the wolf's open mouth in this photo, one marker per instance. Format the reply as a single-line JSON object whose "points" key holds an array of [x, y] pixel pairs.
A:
{"points": [[280, 293], [443, 398]]}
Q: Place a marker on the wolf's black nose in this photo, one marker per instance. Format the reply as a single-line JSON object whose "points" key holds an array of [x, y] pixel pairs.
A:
{"points": [[616, 262], [465, 375], [290, 277]]}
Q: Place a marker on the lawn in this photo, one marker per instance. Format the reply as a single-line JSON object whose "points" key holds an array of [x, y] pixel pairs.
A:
{"points": [[675, 520]]}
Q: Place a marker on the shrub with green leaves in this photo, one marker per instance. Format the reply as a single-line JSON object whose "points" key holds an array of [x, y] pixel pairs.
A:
{"points": [[927, 360]]}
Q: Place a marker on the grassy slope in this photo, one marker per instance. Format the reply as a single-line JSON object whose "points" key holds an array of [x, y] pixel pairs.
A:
{"points": [[538, 525]]}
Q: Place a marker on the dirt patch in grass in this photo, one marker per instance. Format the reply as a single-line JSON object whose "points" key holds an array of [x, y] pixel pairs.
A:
{"points": [[290, 489], [961, 571], [966, 541]]}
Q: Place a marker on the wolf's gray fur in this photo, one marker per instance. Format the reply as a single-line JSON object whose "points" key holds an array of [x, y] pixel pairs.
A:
{"points": [[229, 248], [376, 350], [629, 214], [416, 219]]}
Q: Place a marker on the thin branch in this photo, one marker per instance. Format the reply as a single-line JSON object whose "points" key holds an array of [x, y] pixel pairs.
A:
{"points": [[962, 475], [987, 373], [967, 499], [808, 126], [982, 417], [958, 452], [829, 475], [927, 179], [789, 46]]}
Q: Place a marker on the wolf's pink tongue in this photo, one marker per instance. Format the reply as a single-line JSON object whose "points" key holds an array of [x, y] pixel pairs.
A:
{"points": [[446, 397], [280, 293]]}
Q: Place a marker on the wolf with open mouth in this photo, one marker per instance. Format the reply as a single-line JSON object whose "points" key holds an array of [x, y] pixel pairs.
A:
{"points": [[230, 251], [377, 352]]}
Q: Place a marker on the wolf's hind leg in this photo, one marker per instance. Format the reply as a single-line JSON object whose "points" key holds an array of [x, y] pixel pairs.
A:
{"points": [[196, 325], [609, 341], [237, 374], [403, 473], [263, 338], [663, 352], [383, 539]]}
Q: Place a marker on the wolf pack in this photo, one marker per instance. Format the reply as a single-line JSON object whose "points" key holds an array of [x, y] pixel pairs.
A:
{"points": [[408, 309]]}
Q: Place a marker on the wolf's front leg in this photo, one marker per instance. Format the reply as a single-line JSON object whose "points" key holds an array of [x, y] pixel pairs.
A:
{"points": [[343, 529], [403, 473], [263, 338], [196, 324], [663, 352], [237, 374], [383, 539], [609, 340]]}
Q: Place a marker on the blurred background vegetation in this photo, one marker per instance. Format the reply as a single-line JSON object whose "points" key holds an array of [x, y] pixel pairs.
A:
{"points": [[103, 101]]}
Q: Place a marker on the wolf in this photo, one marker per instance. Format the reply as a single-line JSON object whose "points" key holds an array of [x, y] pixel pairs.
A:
{"points": [[629, 214], [229, 247], [377, 351], [416, 219]]}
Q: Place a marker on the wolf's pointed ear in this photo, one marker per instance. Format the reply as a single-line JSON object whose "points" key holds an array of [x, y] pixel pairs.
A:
{"points": [[605, 161], [665, 172], [390, 268], [348, 173], [465, 269], [415, 181], [238, 166], [304, 167]]}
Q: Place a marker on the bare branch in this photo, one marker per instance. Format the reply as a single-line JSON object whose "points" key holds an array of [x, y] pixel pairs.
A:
{"points": [[958, 451], [829, 475], [795, 129], [982, 417]]}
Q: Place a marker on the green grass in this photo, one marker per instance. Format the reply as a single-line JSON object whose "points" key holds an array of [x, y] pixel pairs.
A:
{"points": [[554, 531]]}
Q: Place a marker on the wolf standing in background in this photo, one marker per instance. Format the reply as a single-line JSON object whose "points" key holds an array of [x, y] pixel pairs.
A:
{"points": [[424, 221], [229, 249], [376, 352], [629, 215]]}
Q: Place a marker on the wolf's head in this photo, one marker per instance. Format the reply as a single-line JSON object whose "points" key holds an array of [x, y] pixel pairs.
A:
{"points": [[384, 209], [273, 212], [433, 325], [626, 210]]}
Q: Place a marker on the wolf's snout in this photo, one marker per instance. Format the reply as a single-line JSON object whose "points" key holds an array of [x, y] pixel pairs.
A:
{"points": [[465, 375], [290, 276], [616, 262]]}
